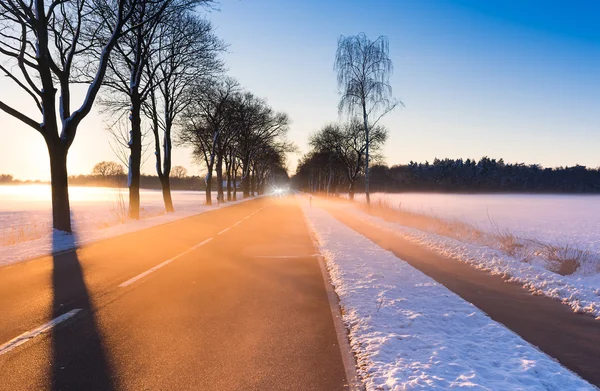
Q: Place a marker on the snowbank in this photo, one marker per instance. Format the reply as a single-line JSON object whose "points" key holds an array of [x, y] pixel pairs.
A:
{"points": [[409, 332]]}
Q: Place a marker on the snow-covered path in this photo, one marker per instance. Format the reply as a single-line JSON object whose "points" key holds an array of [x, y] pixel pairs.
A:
{"points": [[409, 332]]}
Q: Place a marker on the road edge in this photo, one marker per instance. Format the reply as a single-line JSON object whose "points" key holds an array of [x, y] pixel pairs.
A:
{"points": [[348, 358]]}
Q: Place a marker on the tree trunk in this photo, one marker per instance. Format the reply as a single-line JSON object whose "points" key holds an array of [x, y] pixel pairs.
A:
{"points": [[228, 164], [246, 178], [351, 190], [208, 181], [61, 211], [165, 183], [234, 181], [366, 120], [219, 170], [208, 189], [228, 185], [166, 172], [253, 182], [135, 158]]}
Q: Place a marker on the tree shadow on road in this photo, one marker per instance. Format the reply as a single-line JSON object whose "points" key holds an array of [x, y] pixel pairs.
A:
{"points": [[79, 359]]}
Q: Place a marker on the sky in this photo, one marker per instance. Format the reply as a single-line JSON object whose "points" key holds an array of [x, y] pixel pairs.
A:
{"points": [[518, 80]]}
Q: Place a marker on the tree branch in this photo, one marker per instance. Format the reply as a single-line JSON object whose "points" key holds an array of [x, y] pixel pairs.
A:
{"points": [[20, 116]]}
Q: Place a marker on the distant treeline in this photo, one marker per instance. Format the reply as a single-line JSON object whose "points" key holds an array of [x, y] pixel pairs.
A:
{"points": [[6, 179], [454, 175], [485, 175]]}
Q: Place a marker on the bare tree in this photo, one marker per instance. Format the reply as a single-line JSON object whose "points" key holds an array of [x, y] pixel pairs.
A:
{"points": [[363, 70], [349, 144], [186, 52], [45, 45], [108, 169], [129, 83], [206, 122], [179, 172]]}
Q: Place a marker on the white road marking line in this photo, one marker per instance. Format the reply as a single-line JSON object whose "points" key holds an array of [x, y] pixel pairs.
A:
{"points": [[25, 337], [165, 263]]}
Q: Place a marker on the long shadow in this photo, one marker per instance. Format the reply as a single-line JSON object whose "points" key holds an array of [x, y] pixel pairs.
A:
{"points": [[79, 359]]}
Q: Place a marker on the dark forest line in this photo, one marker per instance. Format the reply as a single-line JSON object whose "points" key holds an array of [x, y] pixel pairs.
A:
{"points": [[453, 176]]}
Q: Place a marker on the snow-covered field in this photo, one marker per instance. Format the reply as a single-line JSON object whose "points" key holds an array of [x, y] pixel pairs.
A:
{"points": [[97, 213], [552, 219], [409, 332]]}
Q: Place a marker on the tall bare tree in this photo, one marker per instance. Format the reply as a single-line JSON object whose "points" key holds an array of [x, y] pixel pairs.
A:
{"points": [[45, 45], [130, 83], [363, 71], [186, 52]]}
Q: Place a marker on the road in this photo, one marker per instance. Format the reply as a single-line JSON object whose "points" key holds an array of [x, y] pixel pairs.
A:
{"points": [[546, 323], [233, 299]]}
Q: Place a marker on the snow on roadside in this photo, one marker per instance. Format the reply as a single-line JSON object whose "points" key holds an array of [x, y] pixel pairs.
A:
{"points": [[581, 293], [409, 332], [52, 242]]}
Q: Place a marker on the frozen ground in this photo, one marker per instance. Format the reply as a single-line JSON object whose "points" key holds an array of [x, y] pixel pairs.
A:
{"points": [[97, 213], [409, 332], [554, 219]]}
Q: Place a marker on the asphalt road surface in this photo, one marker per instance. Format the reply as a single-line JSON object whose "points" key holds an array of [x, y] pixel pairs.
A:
{"points": [[233, 299]]}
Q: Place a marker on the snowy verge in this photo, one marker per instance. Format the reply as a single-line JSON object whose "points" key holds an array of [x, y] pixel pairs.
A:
{"points": [[58, 241], [581, 293], [409, 332]]}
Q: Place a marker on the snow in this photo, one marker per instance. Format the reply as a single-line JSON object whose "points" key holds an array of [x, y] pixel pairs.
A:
{"points": [[582, 294], [559, 220], [97, 213], [553, 219], [409, 332]]}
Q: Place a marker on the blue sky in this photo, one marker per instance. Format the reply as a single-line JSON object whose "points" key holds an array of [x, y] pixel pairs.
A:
{"points": [[513, 79]]}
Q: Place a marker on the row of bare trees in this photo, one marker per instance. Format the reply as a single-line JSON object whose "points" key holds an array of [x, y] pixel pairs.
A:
{"points": [[158, 64], [338, 156], [149, 78], [233, 130]]}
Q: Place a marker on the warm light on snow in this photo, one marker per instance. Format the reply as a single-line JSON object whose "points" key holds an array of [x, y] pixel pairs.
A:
{"points": [[14, 197], [26, 217]]}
